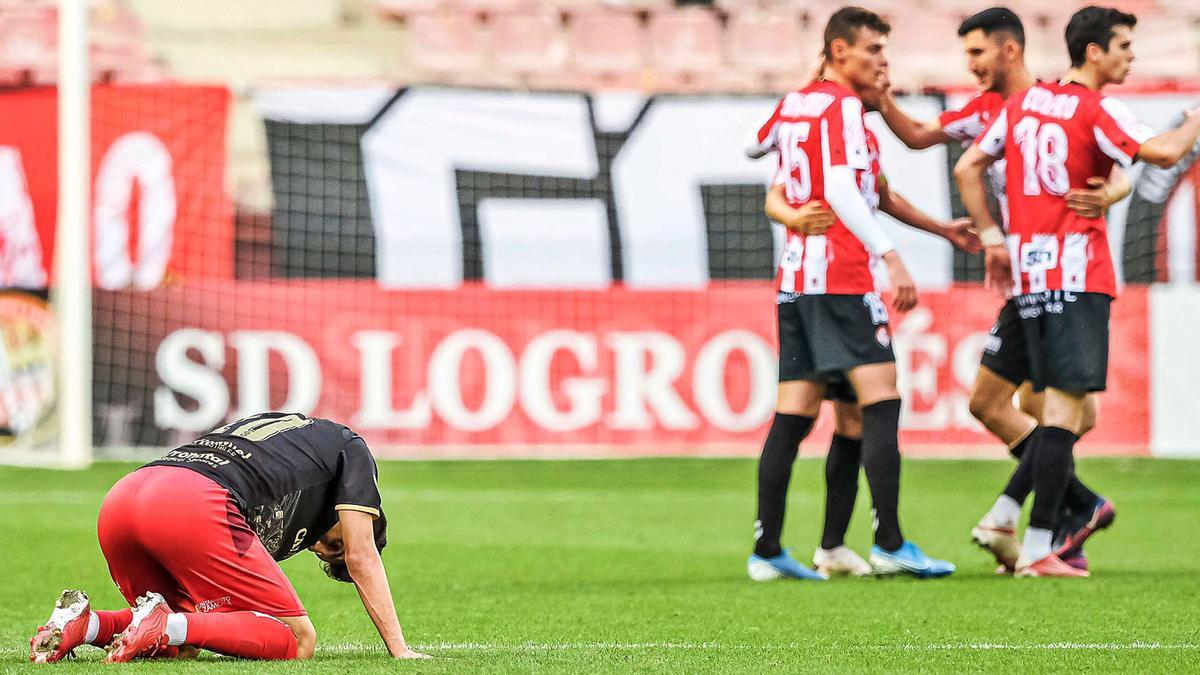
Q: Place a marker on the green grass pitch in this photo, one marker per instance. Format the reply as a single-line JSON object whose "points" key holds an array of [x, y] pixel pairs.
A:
{"points": [[639, 565]]}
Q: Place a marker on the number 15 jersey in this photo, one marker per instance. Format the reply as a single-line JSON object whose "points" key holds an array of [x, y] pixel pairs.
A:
{"points": [[814, 129], [1054, 137]]}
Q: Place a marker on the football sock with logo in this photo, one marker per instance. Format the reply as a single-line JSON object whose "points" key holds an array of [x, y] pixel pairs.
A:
{"points": [[1052, 474], [881, 461], [774, 474], [841, 488], [248, 635], [104, 624]]}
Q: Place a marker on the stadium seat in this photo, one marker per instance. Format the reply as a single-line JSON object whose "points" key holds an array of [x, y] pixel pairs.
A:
{"points": [[400, 10], [528, 43], [686, 42], [769, 43], [607, 46], [450, 46], [489, 7]]}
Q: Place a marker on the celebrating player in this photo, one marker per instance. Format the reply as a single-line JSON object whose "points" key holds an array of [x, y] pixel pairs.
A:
{"points": [[192, 541], [832, 324], [994, 42], [844, 458], [1060, 135]]}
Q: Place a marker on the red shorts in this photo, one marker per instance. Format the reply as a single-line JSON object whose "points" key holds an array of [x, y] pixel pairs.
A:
{"points": [[176, 532]]}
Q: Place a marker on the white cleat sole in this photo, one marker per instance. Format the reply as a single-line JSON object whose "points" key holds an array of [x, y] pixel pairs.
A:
{"points": [[761, 571]]}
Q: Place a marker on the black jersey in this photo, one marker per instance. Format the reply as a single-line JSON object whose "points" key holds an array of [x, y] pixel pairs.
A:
{"points": [[289, 474]]}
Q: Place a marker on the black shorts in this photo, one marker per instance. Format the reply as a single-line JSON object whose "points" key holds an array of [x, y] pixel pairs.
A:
{"points": [[823, 337], [1066, 337], [1004, 353]]}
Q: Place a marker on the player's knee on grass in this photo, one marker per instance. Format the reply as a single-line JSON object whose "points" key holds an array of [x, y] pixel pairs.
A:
{"points": [[306, 635], [847, 419]]}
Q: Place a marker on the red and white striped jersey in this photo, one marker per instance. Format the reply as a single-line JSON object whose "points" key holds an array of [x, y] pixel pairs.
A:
{"points": [[1056, 137], [815, 128], [967, 123]]}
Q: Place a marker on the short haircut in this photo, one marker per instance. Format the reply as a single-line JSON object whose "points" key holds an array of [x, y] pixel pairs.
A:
{"points": [[847, 21], [339, 571], [1093, 25], [994, 20]]}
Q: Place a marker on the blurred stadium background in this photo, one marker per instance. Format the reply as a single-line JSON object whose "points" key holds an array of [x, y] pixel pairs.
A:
{"points": [[511, 228]]}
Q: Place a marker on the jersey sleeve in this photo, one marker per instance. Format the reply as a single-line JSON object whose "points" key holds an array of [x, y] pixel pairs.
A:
{"points": [[1118, 131], [357, 486], [965, 123], [844, 135], [766, 138], [992, 141]]}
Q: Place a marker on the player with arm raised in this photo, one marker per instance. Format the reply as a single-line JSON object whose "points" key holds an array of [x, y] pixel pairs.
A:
{"points": [[193, 541], [994, 43], [832, 324], [1056, 262]]}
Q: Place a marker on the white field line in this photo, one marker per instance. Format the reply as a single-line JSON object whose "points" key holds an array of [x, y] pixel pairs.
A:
{"points": [[541, 647], [551, 647]]}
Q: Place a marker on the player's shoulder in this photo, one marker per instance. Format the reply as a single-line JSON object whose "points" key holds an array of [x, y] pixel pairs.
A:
{"points": [[816, 99]]}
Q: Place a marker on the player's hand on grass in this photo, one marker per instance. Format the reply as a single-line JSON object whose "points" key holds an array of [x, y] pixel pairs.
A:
{"points": [[1092, 202], [812, 218], [960, 234], [904, 291], [410, 654], [997, 267]]}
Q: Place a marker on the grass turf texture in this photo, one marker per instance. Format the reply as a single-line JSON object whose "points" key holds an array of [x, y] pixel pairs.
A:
{"points": [[639, 565]]}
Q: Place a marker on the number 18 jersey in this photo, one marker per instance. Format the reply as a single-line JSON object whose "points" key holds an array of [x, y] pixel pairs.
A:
{"points": [[1056, 136], [814, 129]]}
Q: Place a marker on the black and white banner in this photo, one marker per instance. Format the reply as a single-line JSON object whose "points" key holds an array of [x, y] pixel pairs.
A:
{"points": [[431, 187]]}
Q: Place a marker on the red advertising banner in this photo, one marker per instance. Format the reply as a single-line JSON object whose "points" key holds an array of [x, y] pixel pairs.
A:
{"points": [[478, 372], [159, 205]]}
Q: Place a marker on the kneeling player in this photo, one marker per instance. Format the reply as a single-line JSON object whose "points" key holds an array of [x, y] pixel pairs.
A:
{"points": [[192, 541]]}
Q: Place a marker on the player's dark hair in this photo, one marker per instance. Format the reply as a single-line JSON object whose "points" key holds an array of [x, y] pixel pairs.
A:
{"points": [[992, 21], [1094, 25], [845, 24], [339, 571]]}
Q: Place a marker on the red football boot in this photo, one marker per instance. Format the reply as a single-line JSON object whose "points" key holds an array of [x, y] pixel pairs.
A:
{"points": [[1103, 515], [1050, 566], [65, 629], [146, 634]]}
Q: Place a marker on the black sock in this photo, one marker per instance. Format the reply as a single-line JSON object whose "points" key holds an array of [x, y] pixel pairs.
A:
{"points": [[1079, 498], [774, 474], [1020, 484], [1052, 474], [841, 488], [881, 460], [1018, 450]]}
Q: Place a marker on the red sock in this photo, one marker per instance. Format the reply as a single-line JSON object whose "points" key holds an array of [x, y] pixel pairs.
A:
{"points": [[249, 635], [111, 623]]}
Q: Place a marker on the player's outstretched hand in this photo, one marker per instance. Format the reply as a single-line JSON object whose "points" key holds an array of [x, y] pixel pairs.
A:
{"points": [[1092, 202], [410, 654], [812, 218], [960, 234], [903, 288], [997, 267]]}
